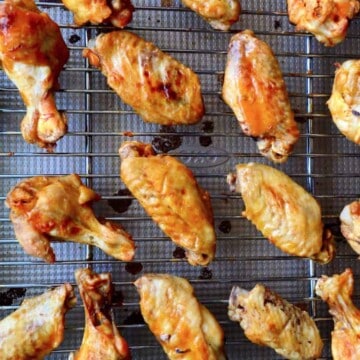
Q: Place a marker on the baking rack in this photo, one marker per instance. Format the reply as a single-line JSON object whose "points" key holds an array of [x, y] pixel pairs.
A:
{"points": [[324, 162]]}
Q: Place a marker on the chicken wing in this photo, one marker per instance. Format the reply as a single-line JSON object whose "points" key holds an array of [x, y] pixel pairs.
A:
{"points": [[117, 12], [32, 54], [344, 103], [37, 327], [283, 211], [269, 320], [337, 291], [328, 20], [350, 224], [220, 14], [102, 340], [185, 328], [255, 90], [43, 208], [158, 87], [169, 193]]}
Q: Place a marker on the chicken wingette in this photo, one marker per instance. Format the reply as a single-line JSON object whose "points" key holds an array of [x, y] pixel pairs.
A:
{"points": [[37, 327], [169, 193], [159, 88], [220, 14], [185, 328], [328, 20], [32, 54], [350, 224], [269, 320], [344, 102], [101, 340], [45, 208], [283, 211], [255, 90], [117, 12], [337, 290]]}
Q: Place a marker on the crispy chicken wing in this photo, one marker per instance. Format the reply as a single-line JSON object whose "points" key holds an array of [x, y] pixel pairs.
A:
{"points": [[283, 211], [328, 20], [350, 224], [32, 54], [269, 320], [337, 291], [43, 208], [37, 327], [102, 340], [117, 12], [255, 90], [185, 328], [220, 14], [158, 87], [344, 103], [169, 193]]}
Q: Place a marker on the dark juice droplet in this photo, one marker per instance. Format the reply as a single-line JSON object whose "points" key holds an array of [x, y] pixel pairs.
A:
{"points": [[166, 143], [7, 297], [133, 267], [225, 226], [179, 253], [205, 274], [121, 205], [205, 141], [74, 38], [134, 318]]}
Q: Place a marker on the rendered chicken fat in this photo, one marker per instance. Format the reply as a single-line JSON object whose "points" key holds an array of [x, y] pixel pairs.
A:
{"points": [[255, 90]]}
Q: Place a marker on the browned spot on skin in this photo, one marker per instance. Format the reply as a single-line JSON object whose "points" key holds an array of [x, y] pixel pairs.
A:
{"points": [[355, 208], [302, 306], [128, 133]]}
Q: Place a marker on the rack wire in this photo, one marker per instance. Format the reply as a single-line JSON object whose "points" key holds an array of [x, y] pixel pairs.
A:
{"points": [[324, 162]]}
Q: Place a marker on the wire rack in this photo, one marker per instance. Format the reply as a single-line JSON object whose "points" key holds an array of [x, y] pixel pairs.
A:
{"points": [[324, 162]]}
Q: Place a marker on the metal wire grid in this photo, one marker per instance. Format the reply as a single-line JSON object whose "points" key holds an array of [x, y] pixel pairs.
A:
{"points": [[324, 162]]}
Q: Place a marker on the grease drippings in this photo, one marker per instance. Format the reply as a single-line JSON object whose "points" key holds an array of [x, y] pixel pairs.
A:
{"points": [[120, 205], [179, 253], [225, 226], [134, 318], [166, 143], [7, 297], [74, 38], [205, 274], [133, 268]]}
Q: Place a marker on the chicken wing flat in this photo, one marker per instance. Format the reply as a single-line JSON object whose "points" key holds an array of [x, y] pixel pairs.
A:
{"points": [[328, 20], [283, 211], [32, 54], [185, 328], [46, 208], [220, 14], [337, 291], [350, 224], [344, 103], [269, 320], [37, 327], [255, 90], [169, 193], [117, 12], [159, 88], [102, 340]]}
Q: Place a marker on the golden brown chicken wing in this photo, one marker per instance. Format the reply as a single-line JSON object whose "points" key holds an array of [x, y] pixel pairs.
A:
{"points": [[32, 54], [185, 328], [46, 208], [269, 320], [220, 14], [158, 87], [283, 211], [337, 291], [328, 20], [117, 12], [37, 327], [170, 194], [350, 224], [255, 90], [102, 340], [344, 103]]}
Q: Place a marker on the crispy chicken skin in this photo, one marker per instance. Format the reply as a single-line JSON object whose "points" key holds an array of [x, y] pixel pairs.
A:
{"points": [[117, 12], [46, 208], [255, 90], [337, 291], [220, 14], [159, 88], [102, 340], [169, 193], [185, 328], [344, 103], [37, 327], [283, 211], [32, 54], [328, 20], [350, 224], [269, 320]]}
